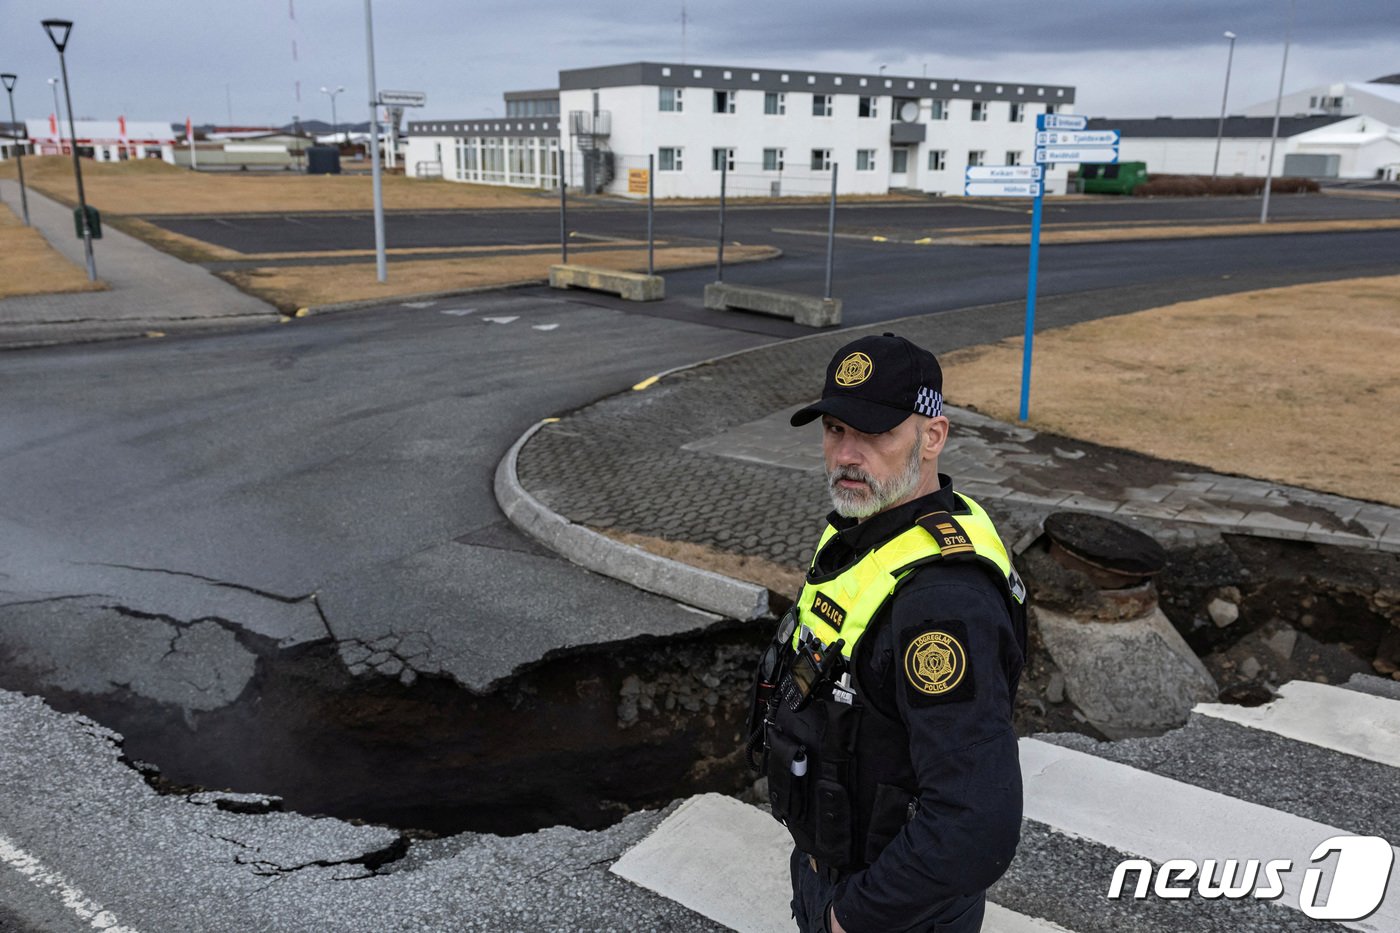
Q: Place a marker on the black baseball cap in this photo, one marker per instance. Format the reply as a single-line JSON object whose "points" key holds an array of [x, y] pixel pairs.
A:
{"points": [[874, 383]]}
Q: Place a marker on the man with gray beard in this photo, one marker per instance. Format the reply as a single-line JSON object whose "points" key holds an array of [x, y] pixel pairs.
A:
{"points": [[884, 705]]}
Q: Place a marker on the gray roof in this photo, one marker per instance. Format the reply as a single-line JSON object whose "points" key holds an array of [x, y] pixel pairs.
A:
{"points": [[727, 77], [544, 94], [514, 127], [1207, 127]]}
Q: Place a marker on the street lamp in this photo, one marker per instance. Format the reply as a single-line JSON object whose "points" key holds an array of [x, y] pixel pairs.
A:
{"points": [[335, 124], [1220, 131], [1278, 107], [58, 30], [19, 149]]}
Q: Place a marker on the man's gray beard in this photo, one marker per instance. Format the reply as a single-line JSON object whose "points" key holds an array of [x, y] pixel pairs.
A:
{"points": [[852, 504]]}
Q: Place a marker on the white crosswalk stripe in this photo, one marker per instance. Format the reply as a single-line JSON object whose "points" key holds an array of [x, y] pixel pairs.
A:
{"points": [[728, 861], [1342, 720]]}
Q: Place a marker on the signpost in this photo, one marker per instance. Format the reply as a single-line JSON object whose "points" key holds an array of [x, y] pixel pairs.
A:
{"points": [[1001, 189], [1058, 138], [402, 98]]}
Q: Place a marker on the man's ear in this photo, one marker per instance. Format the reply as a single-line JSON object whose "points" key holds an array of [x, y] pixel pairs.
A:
{"points": [[935, 436]]}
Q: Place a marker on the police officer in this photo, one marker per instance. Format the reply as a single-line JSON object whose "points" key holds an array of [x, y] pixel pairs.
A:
{"points": [[884, 706]]}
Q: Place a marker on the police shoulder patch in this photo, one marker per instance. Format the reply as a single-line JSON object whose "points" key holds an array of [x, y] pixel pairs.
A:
{"points": [[935, 663]]}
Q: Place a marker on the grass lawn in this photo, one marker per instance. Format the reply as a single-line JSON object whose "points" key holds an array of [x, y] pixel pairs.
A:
{"points": [[30, 266], [1297, 385], [150, 186]]}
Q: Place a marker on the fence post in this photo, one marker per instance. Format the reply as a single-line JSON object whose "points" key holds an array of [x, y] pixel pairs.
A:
{"points": [[831, 231], [651, 208], [723, 184], [564, 208]]}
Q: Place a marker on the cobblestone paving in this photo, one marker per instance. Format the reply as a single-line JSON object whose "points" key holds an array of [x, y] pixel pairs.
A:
{"points": [[706, 455]]}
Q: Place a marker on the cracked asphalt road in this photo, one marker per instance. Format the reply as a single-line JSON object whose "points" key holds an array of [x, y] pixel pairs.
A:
{"points": [[171, 508]]}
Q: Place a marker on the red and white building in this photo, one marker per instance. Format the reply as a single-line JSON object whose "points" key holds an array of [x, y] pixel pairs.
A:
{"points": [[104, 140]]}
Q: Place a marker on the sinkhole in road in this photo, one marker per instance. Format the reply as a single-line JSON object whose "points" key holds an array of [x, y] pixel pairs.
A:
{"points": [[581, 738], [585, 736]]}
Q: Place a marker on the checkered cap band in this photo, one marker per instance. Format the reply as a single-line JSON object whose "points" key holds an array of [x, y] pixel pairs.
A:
{"points": [[929, 402]]}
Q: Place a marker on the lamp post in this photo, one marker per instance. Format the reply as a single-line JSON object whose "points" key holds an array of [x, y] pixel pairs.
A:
{"points": [[1220, 131], [9, 81], [58, 30], [381, 273], [1278, 107], [335, 124]]}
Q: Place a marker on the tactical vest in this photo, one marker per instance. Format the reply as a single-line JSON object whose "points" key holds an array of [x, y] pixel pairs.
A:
{"points": [[839, 774]]}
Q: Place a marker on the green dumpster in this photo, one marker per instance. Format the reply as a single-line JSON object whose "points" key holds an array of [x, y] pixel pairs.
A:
{"points": [[1120, 178], [94, 222]]}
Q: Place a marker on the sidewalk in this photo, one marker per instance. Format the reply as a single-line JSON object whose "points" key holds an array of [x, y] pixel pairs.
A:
{"points": [[147, 290], [705, 456]]}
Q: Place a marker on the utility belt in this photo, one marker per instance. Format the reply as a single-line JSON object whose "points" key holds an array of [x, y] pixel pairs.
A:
{"points": [[805, 716]]}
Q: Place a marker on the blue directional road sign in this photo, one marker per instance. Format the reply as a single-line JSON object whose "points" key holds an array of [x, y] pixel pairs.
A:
{"points": [[1002, 189], [1004, 173], [1060, 121], [1068, 138], [1081, 154]]}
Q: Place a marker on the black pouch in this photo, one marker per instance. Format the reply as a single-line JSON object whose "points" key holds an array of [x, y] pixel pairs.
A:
{"points": [[891, 810], [787, 791], [832, 824]]}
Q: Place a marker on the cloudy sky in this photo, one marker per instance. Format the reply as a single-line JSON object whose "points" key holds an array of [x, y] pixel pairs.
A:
{"points": [[232, 60]]}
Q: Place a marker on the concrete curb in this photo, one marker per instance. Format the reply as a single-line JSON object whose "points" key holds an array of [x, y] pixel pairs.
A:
{"points": [[363, 303], [704, 589]]}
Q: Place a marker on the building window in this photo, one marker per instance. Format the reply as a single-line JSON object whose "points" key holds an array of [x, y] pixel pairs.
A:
{"points": [[821, 160], [775, 103], [722, 159], [671, 100], [821, 105], [724, 101], [1051, 108], [1013, 157], [668, 159], [979, 111], [772, 160], [976, 157], [1018, 113], [869, 106], [938, 110], [937, 160], [865, 160], [899, 162]]}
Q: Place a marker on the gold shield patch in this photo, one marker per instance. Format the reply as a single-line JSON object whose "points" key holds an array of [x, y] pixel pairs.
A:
{"points": [[935, 663], [853, 370]]}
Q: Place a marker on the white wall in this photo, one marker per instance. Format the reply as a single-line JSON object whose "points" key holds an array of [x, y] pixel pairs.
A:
{"points": [[1250, 155]]}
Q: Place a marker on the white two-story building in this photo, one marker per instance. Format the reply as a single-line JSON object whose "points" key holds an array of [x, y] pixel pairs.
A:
{"points": [[768, 131]]}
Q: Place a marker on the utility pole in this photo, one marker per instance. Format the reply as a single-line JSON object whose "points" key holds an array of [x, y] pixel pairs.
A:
{"points": [[1278, 107], [379, 262]]}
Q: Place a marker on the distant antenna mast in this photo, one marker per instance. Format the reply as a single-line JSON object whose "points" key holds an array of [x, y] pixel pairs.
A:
{"points": [[684, 20]]}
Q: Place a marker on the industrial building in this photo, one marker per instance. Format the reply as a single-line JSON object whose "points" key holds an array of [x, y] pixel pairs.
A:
{"points": [[775, 131], [104, 140], [1379, 98], [1310, 146]]}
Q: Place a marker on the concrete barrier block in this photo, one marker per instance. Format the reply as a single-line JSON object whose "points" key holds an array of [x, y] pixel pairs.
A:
{"points": [[807, 310], [630, 286]]}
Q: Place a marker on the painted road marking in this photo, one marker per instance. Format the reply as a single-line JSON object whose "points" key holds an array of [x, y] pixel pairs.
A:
{"points": [[73, 898], [1344, 721], [1144, 814], [728, 861], [458, 312], [543, 326], [501, 320], [419, 304]]}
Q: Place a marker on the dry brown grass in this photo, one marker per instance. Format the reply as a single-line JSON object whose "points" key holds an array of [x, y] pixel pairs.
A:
{"points": [[30, 266], [150, 186], [779, 578], [293, 287], [1297, 385]]}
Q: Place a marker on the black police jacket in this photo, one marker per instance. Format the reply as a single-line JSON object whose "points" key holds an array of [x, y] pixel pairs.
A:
{"points": [[953, 756]]}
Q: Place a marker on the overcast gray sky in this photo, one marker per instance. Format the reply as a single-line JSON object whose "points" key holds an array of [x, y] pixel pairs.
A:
{"points": [[219, 59]]}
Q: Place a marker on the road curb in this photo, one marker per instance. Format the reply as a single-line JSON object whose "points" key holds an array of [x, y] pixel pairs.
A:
{"points": [[704, 589]]}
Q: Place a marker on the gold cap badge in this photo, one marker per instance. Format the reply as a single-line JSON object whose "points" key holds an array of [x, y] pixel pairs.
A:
{"points": [[854, 370]]}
